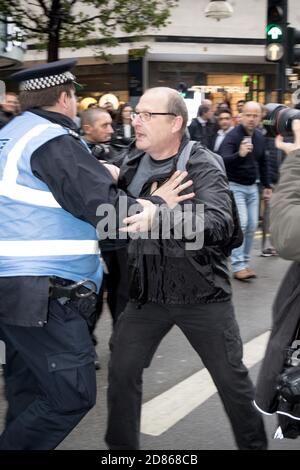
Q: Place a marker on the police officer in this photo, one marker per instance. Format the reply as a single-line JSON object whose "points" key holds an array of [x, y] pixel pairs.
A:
{"points": [[50, 189]]}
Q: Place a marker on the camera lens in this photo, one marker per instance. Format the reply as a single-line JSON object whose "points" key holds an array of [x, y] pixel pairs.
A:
{"points": [[278, 119]]}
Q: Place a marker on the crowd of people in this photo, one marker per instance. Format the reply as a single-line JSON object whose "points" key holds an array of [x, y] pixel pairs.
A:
{"points": [[56, 261]]}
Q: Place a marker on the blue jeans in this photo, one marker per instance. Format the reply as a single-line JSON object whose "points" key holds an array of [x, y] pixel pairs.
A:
{"points": [[247, 201]]}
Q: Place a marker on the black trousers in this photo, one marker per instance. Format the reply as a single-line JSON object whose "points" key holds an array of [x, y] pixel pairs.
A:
{"points": [[50, 381], [214, 334]]}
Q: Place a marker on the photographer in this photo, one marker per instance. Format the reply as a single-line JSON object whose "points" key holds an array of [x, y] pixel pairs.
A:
{"points": [[96, 124], [285, 208], [278, 365]]}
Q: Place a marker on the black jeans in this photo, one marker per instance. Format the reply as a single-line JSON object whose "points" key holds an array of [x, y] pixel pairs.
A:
{"points": [[50, 380], [213, 332]]}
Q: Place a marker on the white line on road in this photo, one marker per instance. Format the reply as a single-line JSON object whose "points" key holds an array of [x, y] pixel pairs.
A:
{"points": [[165, 410]]}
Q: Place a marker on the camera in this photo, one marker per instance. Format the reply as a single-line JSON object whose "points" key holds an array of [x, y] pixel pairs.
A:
{"points": [[278, 119], [100, 151], [289, 385]]}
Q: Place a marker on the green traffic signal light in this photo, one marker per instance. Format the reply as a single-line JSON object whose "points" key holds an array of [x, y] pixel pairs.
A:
{"points": [[276, 30], [274, 33]]}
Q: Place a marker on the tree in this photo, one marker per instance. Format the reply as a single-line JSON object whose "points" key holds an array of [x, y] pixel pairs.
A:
{"points": [[61, 23]]}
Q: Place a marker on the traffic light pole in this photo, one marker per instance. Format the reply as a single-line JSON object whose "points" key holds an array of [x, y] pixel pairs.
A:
{"points": [[282, 64]]}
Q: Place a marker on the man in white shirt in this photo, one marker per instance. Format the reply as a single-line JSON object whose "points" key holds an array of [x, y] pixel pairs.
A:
{"points": [[225, 123]]}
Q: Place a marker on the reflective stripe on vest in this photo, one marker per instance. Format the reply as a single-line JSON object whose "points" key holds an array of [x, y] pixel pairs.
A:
{"points": [[8, 184], [48, 248]]}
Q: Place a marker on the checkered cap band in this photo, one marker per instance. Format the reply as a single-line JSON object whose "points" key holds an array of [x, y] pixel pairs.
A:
{"points": [[47, 82]]}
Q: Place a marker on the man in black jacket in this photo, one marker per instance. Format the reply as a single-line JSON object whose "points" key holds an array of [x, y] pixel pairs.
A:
{"points": [[202, 128], [173, 282], [243, 151]]}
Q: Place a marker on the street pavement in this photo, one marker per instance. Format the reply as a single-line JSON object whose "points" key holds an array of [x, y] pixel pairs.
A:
{"points": [[182, 410]]}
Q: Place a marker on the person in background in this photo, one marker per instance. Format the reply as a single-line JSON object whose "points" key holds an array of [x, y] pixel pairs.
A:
{"points": [[239, 107], [276, 157], [9, 108], [110, 109], [123, 129], [202, 127], [246, 162], [225, 123]]}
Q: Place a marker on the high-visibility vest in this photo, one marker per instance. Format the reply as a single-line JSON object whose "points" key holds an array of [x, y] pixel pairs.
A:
{"points": [[37, 236]]}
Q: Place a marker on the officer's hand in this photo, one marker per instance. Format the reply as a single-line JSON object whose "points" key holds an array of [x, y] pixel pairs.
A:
{"points": [[288, 147], [114, 170], [169, 191], [141, 222]]}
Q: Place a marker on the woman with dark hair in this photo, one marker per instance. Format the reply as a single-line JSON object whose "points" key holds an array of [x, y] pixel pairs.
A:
{"points": [[124, 131]]}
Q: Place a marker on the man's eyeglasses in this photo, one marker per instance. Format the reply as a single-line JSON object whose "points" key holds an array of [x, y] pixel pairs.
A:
{"points": [[146, 116]]}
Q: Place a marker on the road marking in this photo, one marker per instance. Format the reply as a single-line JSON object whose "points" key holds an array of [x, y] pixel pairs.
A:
{"points": [[165, 410]]}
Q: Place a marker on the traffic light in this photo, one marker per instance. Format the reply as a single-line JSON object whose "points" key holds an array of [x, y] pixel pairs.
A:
{"points": [[183, 90], [292, 52], [276, 29]]}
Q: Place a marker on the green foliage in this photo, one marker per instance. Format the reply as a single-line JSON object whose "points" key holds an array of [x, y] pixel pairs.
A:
{"points": [[62, 23]]}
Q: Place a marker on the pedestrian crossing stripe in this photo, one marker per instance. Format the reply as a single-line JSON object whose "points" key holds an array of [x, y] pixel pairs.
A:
{"points": [[165, 410]]}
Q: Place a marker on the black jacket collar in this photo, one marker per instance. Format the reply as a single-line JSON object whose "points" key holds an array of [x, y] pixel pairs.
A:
{"points": [[57, 118]]}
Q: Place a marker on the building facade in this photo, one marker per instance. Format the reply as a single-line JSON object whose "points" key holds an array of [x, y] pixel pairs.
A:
{"points": [[227, 56], [11, 46]]}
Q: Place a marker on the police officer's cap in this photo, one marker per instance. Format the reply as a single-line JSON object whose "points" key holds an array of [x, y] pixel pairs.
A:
{"points": [[46, 75]]}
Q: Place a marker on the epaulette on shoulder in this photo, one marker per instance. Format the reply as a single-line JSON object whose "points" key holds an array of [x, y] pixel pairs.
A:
{"points": [[73, 133]]}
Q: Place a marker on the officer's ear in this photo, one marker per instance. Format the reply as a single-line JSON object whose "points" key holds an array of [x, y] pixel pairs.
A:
{"points": [[63, 100]]}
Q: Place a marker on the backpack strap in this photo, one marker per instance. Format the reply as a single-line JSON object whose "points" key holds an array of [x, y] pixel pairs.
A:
{"points": [[186, 152], [237, 237], [184, 156]]}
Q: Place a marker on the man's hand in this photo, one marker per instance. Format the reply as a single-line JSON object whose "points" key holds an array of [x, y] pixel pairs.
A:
{"points": [[113, 169], [288, 147], [169, 191], [245, 148], [140, 222]]}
